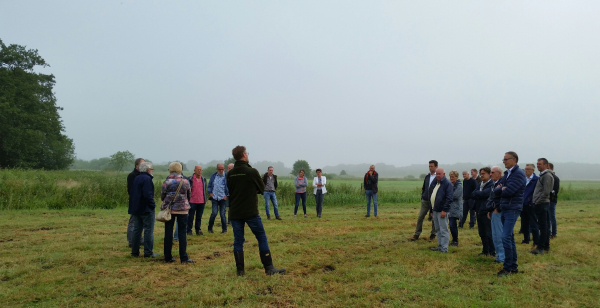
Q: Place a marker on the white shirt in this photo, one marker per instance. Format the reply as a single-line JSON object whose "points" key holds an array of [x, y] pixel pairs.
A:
{"points": [[431, 178], [529, 179], [509, 171]]}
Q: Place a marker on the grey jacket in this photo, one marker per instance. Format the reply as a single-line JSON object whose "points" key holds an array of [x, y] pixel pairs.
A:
{"points": [[543, 188], [300, 185], [456, 207]]}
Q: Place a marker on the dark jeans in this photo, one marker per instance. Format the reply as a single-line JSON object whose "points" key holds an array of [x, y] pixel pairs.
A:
{"points": [[454, 228], [181, 226], [145, 223], [256, 226], [525, 224], [468, 207], [509, 219], [319, 196], [198, 209], [552, 217], [218, 207], [298, 197], [534, 228], [484, 225], [541, 211]]}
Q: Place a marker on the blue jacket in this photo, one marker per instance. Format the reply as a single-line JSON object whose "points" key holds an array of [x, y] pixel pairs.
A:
{"points": [[529, 188], [211, 184], [481, 196], [191, 180], [141, 200], [511, 198], [444, 195]]}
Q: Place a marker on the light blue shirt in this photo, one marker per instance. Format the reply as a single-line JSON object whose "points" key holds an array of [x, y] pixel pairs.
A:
{"points": [[509, 171], [529, 179], [219, 187]]}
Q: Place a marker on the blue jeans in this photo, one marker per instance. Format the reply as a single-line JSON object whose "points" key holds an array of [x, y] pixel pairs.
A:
{"points": [[552, 217], [371, 195], [218, 207], [453, 222], [497, 236], [181, 221], [298, 197], [256, 226], [271, 196], [198, 209], [509, 219], [319, 196], [145, 223]]}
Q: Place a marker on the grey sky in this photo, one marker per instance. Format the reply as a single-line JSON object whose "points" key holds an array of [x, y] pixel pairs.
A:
{"points": [[331, 82]]}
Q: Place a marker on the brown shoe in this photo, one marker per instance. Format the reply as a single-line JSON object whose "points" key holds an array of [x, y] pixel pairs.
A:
{"points": [[414, 238]]}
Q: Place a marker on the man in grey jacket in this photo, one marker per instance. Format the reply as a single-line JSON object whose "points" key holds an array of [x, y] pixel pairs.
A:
{"points": [[541, 201]]}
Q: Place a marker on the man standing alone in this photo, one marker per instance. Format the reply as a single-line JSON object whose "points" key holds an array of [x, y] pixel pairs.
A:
{"points": [[130, 179], [441, 198], [541, 201], [510, 190], [217, 189], [426, 203], [141, 208], [469, 185], [270, 181], [244, 184], [370, 184]]}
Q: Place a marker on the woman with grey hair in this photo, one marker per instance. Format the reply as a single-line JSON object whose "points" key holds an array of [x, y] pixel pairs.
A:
{"points": [[176, 193], [456, 207]]}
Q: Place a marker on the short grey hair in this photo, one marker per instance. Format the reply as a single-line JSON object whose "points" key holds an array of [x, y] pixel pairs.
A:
{"points": [[498, 168], [145, 166]]}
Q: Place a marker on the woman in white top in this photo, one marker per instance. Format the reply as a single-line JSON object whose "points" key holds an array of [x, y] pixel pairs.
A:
{"points": [[320, 190]]}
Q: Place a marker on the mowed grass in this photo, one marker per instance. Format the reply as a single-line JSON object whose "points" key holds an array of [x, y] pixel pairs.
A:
{"points": [[75, 258]]}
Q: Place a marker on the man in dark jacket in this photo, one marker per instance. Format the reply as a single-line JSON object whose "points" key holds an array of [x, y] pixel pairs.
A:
{"points": [[469, 185], [370, 184], [553, 201], [484, 224], [244, 184], [141, 208], [495, 216], [510, 189], [270, 181], [529, 225], [442, 193], [541, 201], [130, 179], [426, 203]]}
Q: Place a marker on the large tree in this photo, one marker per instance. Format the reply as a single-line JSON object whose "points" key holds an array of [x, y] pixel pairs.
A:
{"points": [[31, 131], [299, 165], [120, 160]]}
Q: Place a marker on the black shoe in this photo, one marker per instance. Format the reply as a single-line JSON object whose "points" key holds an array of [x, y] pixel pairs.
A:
{"points": [[224, 231], [525, 242], [170, 260], [367, 215], [239, 262], [188, 261], [503, 273], [210, 231], [483, 254], [267, 261], [269, 217], [199, 232], [135, 255], [278, 218], [154, 255], [431, 237], [537, 251], [434, 248], [521, 232], [471, 227], [455, 244], [190, 233], [414, 238], [493, 254], [552, 237], [496, 261]]}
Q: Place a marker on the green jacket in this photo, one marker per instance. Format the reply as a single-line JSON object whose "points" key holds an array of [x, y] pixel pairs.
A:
{"points": [[244, 184]]}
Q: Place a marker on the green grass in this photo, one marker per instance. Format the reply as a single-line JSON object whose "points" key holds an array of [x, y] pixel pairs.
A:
{"points": [[75, 258]]}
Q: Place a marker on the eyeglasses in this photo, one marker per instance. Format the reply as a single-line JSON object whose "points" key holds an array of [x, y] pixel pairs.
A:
{"points": [[151, 169], [506, 159]]}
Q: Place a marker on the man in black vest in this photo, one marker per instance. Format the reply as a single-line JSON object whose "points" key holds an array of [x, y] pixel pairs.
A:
{"points": [[426, 203]]}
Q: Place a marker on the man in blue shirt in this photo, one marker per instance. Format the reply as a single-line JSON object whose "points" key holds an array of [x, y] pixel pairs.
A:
{"points": [[217, 189]]}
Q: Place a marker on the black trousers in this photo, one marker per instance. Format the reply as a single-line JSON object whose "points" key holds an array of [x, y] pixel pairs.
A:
{"points": [[525, 224], [484, 225], [541, 211], [468, 207]]}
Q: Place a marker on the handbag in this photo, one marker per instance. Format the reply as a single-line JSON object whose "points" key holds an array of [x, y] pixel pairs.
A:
{"points": [[165, 215]]}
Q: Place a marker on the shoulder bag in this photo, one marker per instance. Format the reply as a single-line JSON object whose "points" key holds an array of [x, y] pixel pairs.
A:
{"points": [[165, 215]]}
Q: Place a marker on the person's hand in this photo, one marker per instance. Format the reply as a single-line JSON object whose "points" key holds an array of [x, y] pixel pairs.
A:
{"points": [[430, 218], [499, 185], [225, 198], [496, 211], [212, 196], [443, 214], [489, 215], [503, 188]]}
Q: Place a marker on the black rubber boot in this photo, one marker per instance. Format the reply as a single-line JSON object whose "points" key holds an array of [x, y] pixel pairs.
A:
{"points": [[267, 261], [239, 262]]}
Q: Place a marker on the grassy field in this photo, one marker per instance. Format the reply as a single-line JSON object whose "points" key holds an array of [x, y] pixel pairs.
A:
{"points": [[80, 258]]}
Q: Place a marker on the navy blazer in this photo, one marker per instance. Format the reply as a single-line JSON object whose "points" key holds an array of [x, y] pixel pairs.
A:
{"points": [[511, 198], [481, 195], [141, 200], [529, 188], [425, 195], [444, 196]]}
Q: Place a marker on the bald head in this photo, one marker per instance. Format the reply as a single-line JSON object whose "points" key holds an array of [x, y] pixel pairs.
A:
{"points": [[440, 173], [220, 169], [496, 173], [229, 167], [198, 171]]}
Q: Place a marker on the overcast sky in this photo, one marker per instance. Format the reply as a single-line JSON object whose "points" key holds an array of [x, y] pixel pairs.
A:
{"points": [[396, 82]]}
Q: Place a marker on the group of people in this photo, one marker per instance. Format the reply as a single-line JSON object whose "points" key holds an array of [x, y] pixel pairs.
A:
{"points": [[495, 199]]}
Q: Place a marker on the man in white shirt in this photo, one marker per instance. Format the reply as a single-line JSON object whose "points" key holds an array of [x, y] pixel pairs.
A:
{"points": [[426, 203]]}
